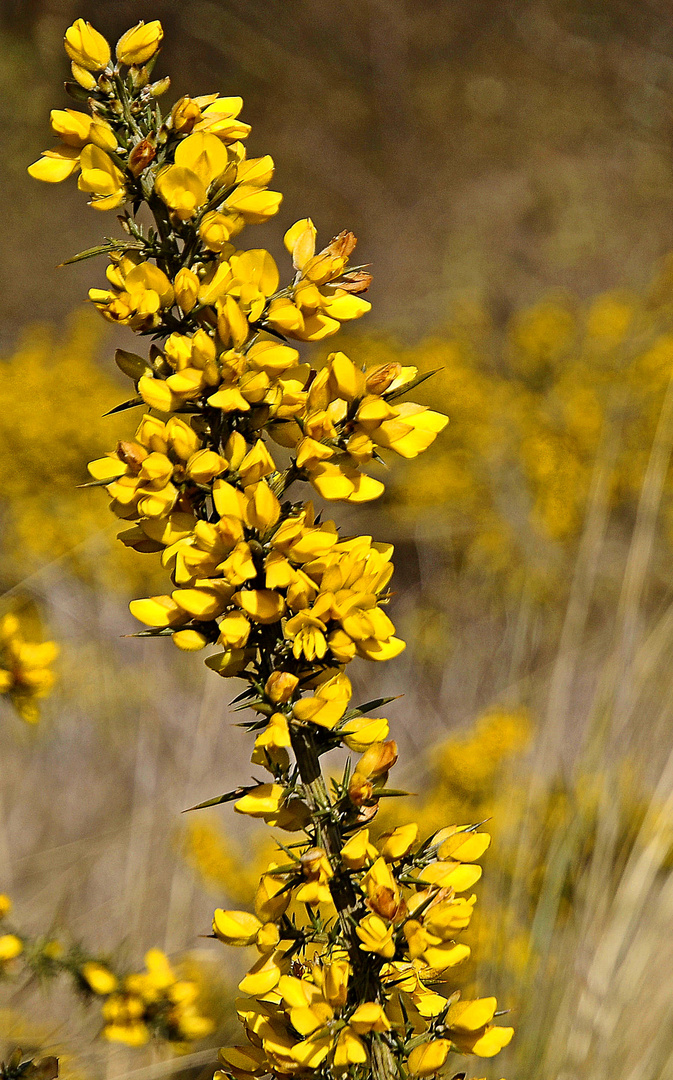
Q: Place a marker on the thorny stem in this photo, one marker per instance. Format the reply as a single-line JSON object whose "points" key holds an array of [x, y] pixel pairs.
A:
{"points": [[327, 829]]}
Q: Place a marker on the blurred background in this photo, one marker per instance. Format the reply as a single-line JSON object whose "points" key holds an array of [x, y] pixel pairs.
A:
{"points": [[508, 169]]}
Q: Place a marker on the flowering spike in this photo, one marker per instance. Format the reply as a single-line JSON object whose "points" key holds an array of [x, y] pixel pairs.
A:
{"points": [[351, 926]]}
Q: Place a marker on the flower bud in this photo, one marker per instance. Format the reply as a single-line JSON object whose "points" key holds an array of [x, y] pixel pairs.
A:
{"points": [[215, 230], [157, 89], [280, 686], [235, 927], [189, 640], [186, 287], [140, 43], [141, 156], [99, 978], [102, 135], [385, 902], [378, 759], [335, 983], [140, 77], [271, 898], [381, 378], [186, 113], [132, 454], [360, 789], [83, 76], [86, 47]]}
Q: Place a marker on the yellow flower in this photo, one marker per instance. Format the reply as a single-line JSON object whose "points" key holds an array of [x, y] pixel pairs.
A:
{"points": [[376, 936], [140, 43], [86, 47], [261, 801], [428, 1058], [5, 905], [487, 1042], [11, 946], [56, 165], [399, 842], [349, 1049], [101, 178], [101, 980], [369, 1016], [236, 927]]}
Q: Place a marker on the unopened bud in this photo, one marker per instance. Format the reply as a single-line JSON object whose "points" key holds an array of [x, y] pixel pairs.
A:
{"points": [[132, 454], [378, 759], [140, 77], [360, 789], [280, 686], [385, 902], [381, 378], [106, 85], [160, 87], [186, 113], [186, 287], [141, 156], [84, 77], [342, 245]]}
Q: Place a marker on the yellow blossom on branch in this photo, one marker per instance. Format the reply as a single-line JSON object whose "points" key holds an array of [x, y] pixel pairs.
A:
{"points": [[351, 931]]}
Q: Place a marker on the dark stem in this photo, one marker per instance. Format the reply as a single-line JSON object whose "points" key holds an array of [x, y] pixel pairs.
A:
{"points": [[327, 829]]}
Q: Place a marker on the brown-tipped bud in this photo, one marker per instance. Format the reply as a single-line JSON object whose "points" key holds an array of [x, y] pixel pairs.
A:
{"points": [[379, 379], [360, 789], [367, 814], [160, 87], [378, 759], [132, 454], [358, 281], [280, 686], [141, 156], [342, 245], [186, 113], [385, 902], [106, 86]]}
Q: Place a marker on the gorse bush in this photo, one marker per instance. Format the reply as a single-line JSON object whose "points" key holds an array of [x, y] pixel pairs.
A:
{"points": [[26, 672], [354, 929], [158, 1002], [534, 403]]}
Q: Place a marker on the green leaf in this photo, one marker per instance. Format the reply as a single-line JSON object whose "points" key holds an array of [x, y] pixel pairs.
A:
{"points": [[102, 249], [131, 404], [369, 706], [96, 483], [411, 385], [228, 796]]}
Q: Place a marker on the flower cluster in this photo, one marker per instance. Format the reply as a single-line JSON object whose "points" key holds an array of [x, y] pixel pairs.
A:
{"points": [[26, 673], [355, 931], [407, 907], [135, 1007]]}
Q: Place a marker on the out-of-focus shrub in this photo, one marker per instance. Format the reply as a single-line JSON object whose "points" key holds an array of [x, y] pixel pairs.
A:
{"points": [[532, 405]]}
